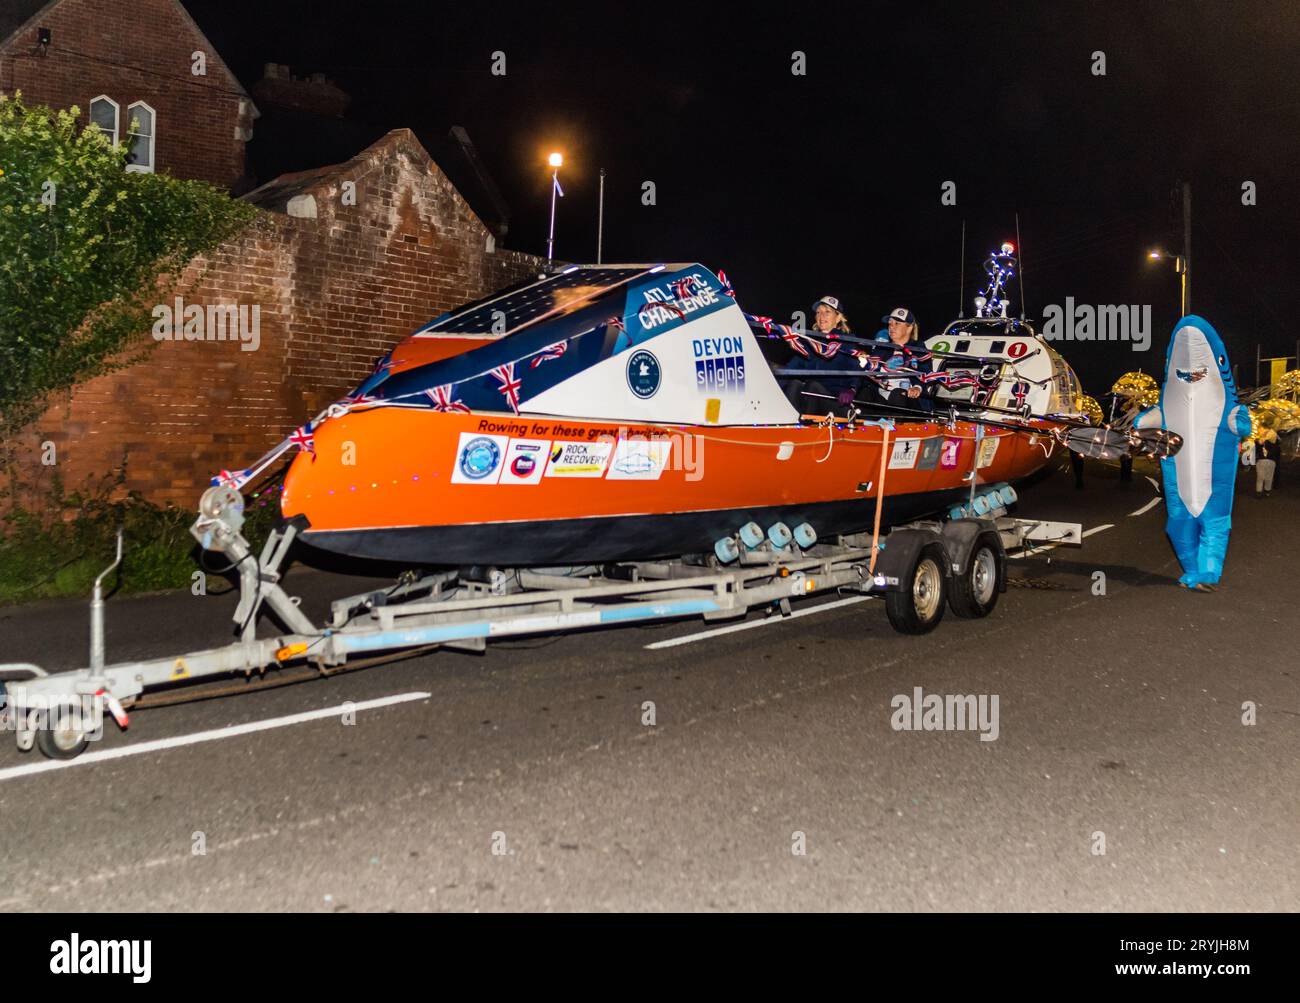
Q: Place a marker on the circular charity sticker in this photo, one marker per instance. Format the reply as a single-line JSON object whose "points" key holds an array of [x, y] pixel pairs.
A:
{"points": [[523, 466], [479, 458], [1017, 348], [643, 374]]}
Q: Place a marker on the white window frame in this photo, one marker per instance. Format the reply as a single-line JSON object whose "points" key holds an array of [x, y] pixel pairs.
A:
{"points": [[117, 115], [153, 135]]}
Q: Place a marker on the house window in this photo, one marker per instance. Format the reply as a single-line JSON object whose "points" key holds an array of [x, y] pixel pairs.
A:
{"points": [[103, 113], [141, 135]]}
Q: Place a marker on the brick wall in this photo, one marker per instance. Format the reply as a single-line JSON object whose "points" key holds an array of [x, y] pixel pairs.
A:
{"points": [[138, 50], [335, 292]]}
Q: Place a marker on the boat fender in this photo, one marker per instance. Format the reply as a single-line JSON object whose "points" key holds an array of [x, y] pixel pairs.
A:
{"points": [[981, 505], [727, 549], [805, 536], [1008, 494], [751, 535], [780, 535], [957, 512]]}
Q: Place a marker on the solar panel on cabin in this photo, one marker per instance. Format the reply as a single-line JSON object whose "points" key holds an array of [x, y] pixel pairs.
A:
{"points": [[583, 284]]}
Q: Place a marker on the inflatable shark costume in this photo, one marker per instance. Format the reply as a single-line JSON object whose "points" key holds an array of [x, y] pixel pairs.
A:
{"points": [[1199, 402]]}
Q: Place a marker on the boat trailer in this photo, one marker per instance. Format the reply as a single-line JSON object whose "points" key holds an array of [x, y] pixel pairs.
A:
{"points": [[918, 569]]}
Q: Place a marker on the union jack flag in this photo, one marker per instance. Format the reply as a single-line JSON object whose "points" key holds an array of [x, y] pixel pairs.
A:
{"points": [[726, 284], [359, 398], [303, 438], [509, 384], [548, 353], [764, 322], [618, 323], [442, 399], [384, 363], [226, 478], [1020, 390]]}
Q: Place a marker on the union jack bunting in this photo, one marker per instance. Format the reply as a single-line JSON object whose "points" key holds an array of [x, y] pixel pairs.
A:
{"points": [[794, 340], [233, 479], [509, 384], [618, 323], [303, 438], [442, 399], [384, 363], [826, 349], [549, 352], [359, 398], [683, 287], [726, 284]]}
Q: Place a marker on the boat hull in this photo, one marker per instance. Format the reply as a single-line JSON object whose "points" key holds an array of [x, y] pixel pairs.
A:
{"points": [[425, 487]]}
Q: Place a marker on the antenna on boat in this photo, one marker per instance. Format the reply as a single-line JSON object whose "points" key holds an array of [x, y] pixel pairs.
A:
{"points": [[961, 305], [1021, 271]]}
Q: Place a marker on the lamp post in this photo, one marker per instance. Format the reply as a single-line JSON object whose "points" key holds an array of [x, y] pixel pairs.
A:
{"points": [[1180, 266], [555, 160]]}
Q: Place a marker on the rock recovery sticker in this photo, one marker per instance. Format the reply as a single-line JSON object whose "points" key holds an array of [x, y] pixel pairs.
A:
{"points": [[478, 458], [638, 459], [643, 374], [930, 450], [719, 364], [988, 449], [578, 459], [525, 461], [904, 454]]}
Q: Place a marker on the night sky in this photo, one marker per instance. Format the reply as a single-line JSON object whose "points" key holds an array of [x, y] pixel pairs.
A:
{"points": [[830, 183]]}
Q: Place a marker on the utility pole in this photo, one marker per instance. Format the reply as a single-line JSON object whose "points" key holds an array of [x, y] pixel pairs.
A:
{"points": [[600, 218], [1187, 247]]}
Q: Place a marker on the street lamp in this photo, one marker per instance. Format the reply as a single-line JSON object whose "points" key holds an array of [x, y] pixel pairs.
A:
{"points": [[1180, 266], [555, 160]]}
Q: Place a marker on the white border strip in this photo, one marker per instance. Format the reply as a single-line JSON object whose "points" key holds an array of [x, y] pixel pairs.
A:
{"points": [[157, 745]]}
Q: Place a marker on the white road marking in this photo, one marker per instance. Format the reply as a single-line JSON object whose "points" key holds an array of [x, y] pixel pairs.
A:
{"points": [[1147, 507], [672, 642], [140, 748]]}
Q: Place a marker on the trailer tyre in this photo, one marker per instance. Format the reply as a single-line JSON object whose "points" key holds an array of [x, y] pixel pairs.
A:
{"points": [[65, 736], [974, 594], [917, 605]]}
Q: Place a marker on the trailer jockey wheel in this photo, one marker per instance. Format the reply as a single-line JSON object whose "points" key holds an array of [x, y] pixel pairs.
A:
{"points": [[916, 606], [975, 593], [64, 736]]}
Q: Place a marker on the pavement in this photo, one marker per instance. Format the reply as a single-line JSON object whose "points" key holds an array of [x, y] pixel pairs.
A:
{"points": [[1122, 776]]}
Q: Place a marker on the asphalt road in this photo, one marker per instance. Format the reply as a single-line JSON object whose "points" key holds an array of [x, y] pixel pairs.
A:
{"points": [[526, 780]]}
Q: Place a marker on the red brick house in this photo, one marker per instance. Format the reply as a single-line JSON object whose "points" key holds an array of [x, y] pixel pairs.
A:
{"points": [[133, 61], [348, 260]]}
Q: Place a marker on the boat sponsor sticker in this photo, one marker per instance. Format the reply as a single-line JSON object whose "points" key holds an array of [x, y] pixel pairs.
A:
{"points": [[644, 374], [719, 364], [949, 453], [639, 459], [930, 450], [525, 461], [579, 459], [478, 458], [904, 454], [988, 449]]}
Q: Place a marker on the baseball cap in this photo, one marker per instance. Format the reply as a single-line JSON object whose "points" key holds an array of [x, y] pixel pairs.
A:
{"points": [[901, 314], [831, 302]]}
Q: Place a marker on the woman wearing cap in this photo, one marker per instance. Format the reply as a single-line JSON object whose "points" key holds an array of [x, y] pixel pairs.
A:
{"points": [[900, 348], [829, 323]]}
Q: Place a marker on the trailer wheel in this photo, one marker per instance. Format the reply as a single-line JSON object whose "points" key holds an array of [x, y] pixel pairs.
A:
{"points": [[975, 593], [916, 606], [65, 736]]}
